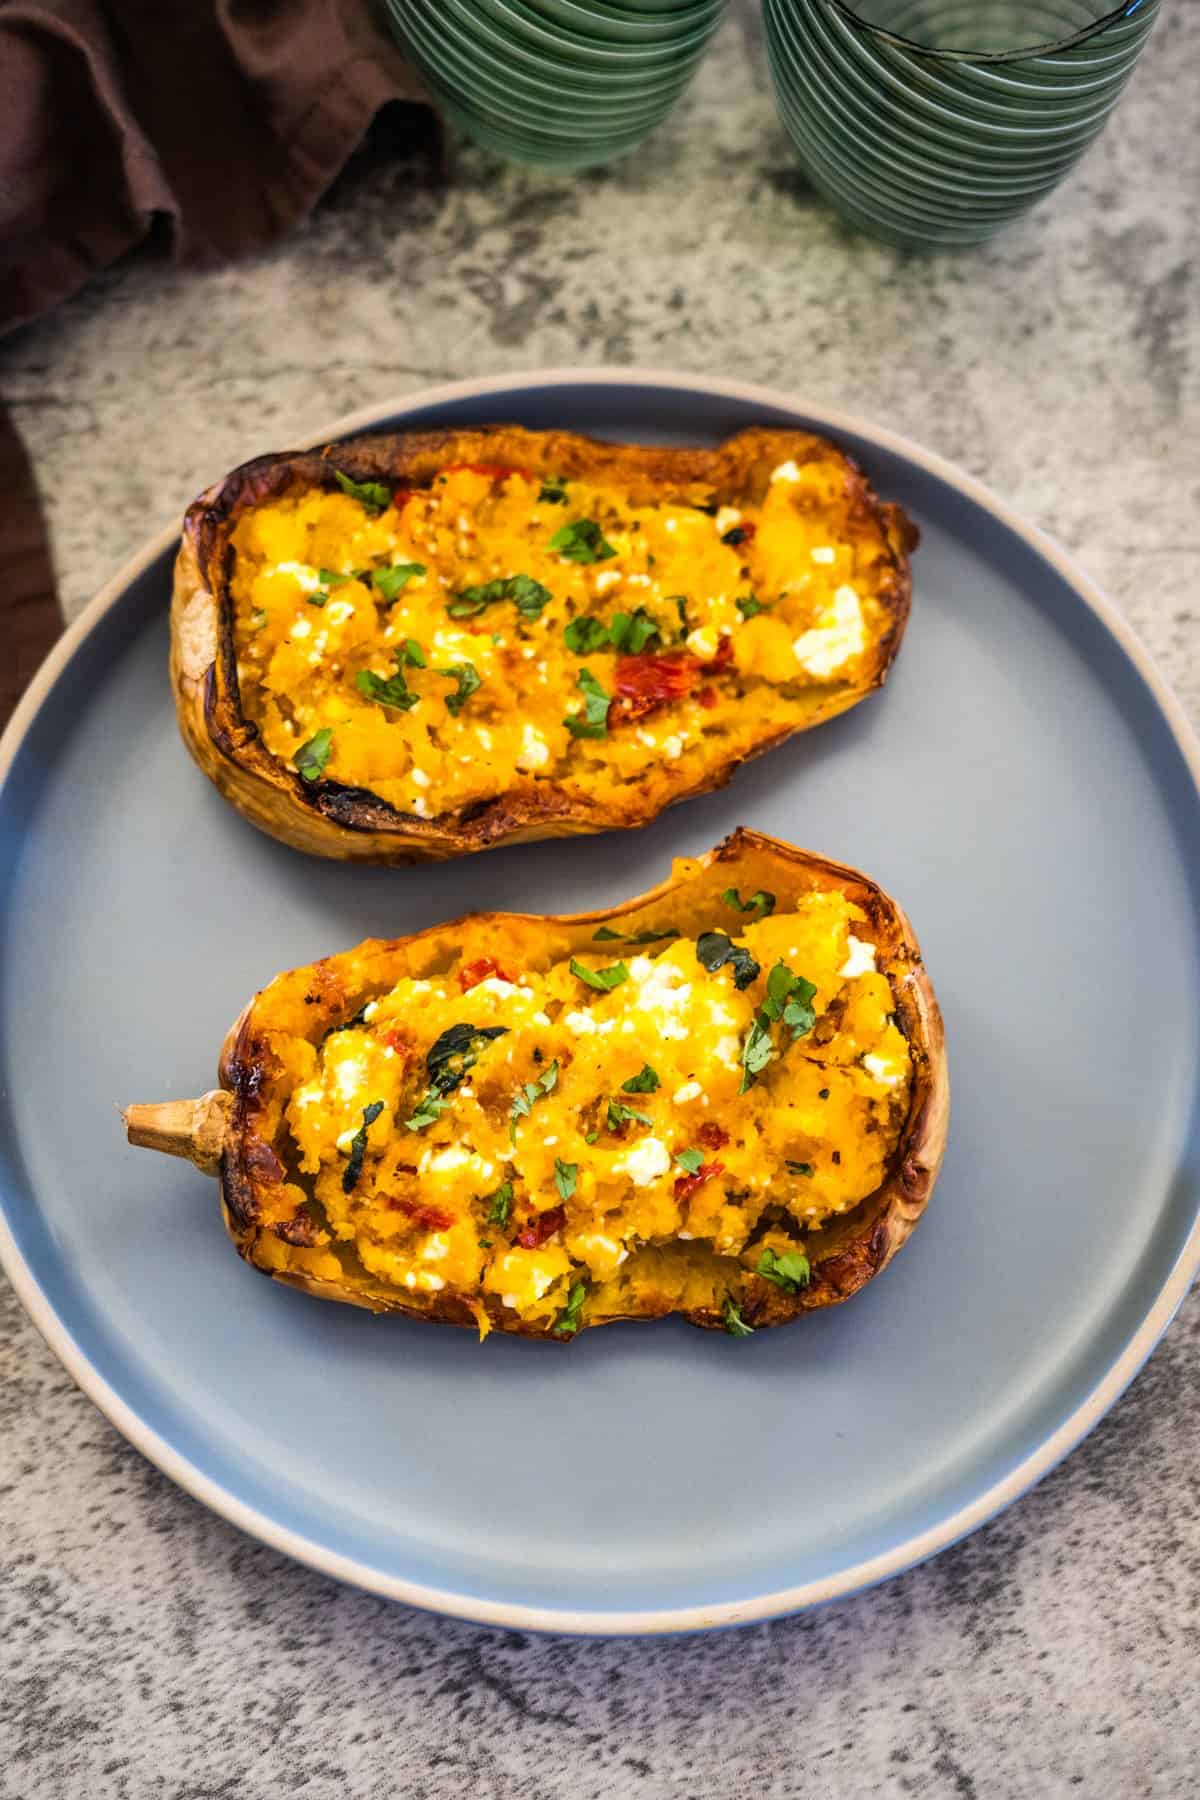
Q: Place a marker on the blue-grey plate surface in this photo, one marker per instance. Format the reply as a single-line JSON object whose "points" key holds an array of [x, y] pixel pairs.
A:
{"points": [[1024, 786]]}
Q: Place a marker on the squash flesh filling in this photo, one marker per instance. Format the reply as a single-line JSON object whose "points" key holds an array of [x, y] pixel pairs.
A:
{"points": [[476, 634], [515, 1134]]}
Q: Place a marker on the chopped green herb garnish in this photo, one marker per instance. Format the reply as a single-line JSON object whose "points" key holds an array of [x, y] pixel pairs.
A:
{"points": [[553, 491], [756, 1052], [584, 635], [565, 1175], [318, 597], [374, 495], [467, 677], [749, 607], [392, 691], [582, 541], [690, 1160], [604, 979], [644, 1083], [593, 722], [733, 1321], [484, 1243], [629, 633], [310, 758], [761, 903], [789, 998], [358, 1146], [680, 603], [456, 1051], [798, 1168], [413, 654], [332, 577], [394, 580], [525, 1098], [589, 1137], [714, 949], [430, 1107], [789, 1271], [499, 1205], [571, 1317], [619, 1114], [526, 594]]}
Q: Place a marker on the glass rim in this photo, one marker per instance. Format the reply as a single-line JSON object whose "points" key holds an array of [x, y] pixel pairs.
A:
{"points": [[1114, 15]]}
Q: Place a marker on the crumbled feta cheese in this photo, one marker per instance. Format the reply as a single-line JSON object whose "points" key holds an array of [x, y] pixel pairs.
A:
{"points": [[534, 752], [304, 576], [726, 519], [638, 580], [438, 1162], [609, 578], [823, 553], [729, 1051], [646, 1162], [496, 986], [673, 746], [431, 1281], [436, 1249], [349, 1076], [786, 472], [419, 778], [647, 738], [580, 1023], [691, 1090], [301, 629], [839, 636], [345, 1141], [861, 958], [484, 736], [369, 1011], [703, 642], [540, 1018], [338, 611], [882, 1070], [420, 807]]}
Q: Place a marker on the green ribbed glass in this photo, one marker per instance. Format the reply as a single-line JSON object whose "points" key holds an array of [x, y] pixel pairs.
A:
{"points": [[560, 83], [932, 123]]}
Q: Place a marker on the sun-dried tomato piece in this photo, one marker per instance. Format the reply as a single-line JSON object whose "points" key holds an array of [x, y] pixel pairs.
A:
{"points": [[711, 1135], [541, 1227], [646, 682], [686, 1185], [397, 1038], [707, 697], [425, 1218], [402, 496], [722, 659], [471, 974]]}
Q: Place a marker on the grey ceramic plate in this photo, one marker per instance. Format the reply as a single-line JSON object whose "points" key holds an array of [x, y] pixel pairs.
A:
{"points": [[1025, 786]]}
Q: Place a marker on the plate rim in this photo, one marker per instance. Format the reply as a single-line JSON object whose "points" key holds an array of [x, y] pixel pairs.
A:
{"points": [[589, 1623]]}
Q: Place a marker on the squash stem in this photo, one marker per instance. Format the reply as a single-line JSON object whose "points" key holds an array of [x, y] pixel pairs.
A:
{"points": [[194, 1129]]}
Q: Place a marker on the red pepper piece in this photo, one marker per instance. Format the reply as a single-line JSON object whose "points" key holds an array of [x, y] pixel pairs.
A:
{"points": [[425, 1218], [723, 658], [707, 697], [686, 1185], [646, 682], [541, 1227], [471, 974], [711, 1135], [402, 496]]}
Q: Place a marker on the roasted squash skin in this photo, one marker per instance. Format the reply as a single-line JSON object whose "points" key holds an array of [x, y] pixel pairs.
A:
{"points": [[729, 713], [248, 1132]]}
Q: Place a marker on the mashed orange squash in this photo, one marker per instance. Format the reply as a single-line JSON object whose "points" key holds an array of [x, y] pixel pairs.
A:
{"points": [[552, 1131], [443, 646]]}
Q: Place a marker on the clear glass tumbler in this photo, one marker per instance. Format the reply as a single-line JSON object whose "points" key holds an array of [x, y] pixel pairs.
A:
{"points": [[931, 123]]}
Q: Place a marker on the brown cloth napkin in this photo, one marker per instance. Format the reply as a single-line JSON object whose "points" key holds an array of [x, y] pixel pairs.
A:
{"points": [[217, 122], [227, 119]]}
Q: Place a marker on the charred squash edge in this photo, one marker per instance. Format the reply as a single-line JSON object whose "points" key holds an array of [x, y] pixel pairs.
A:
{"points": [[214, 1131], [329, 819]]}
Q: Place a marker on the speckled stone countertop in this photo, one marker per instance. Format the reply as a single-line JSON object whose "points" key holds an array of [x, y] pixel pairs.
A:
{"points": [[147, 1647]]}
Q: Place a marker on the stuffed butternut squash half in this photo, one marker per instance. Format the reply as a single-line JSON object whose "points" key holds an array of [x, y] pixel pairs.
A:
{"points": [[405, 648], [727, 1099]]}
